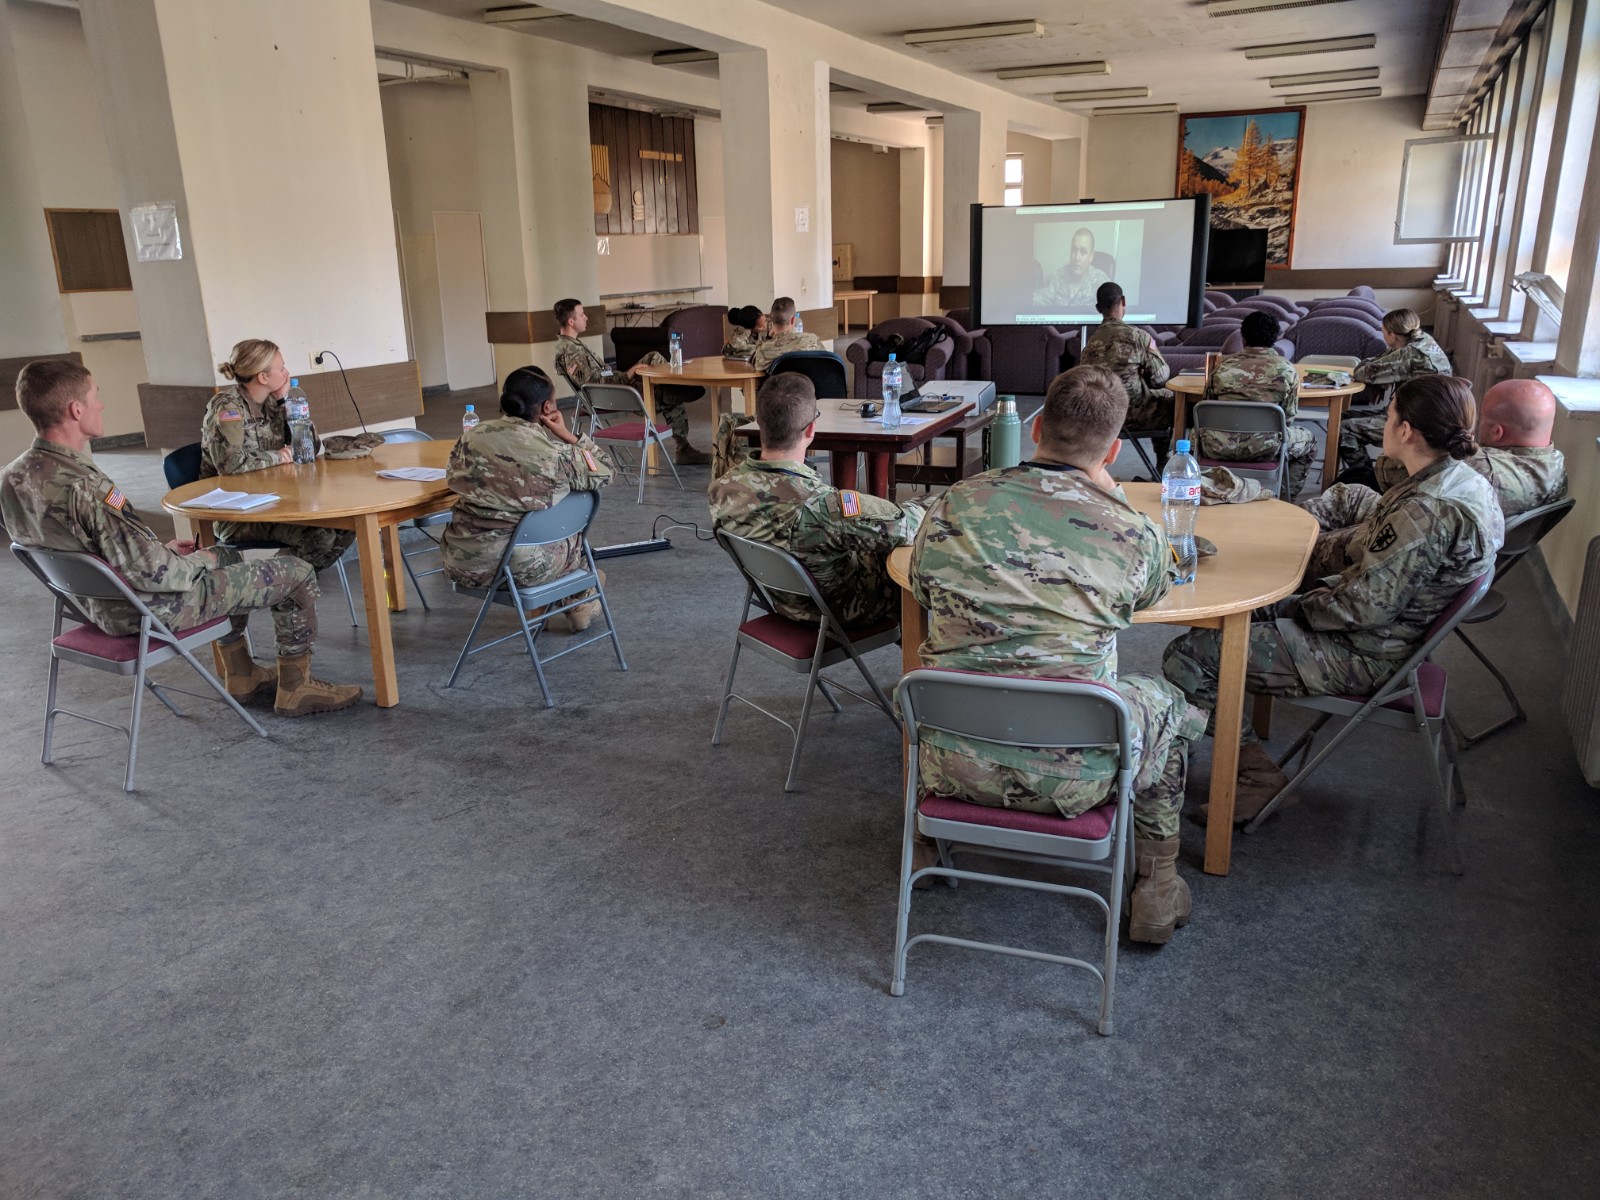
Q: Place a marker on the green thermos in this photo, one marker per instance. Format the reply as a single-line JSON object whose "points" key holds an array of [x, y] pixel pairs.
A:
{"points": [[1005, 435]]}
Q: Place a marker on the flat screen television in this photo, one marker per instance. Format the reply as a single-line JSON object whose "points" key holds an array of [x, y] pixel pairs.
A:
{"points": [[1041, 264], [1237, 256]]}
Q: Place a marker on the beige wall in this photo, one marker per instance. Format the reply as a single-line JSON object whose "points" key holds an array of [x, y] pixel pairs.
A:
{"points": [[866, 208], [1036, 162], [1131, 158]]}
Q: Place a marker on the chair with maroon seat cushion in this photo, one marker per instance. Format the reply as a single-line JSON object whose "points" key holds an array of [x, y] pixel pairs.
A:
{"points": [[1412, 698], [1245, 416], [628, 424], [1010, 711], [796, 645], [75, 577]]}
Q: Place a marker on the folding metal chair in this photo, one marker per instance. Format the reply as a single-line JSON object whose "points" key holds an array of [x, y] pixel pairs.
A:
{"points": [[619, 400], [1523, 533], [1412, 698], [1044, 713], [1155, 435], [73, 577], [796, 645], [572, 515], [1246, 416]]}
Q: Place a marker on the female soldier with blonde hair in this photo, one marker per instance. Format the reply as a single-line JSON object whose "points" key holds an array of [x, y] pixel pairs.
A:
{"points": [[1411, 354]]}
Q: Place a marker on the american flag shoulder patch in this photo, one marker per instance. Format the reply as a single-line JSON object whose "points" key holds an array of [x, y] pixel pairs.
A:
{"points": [[229, 414], [850, 503], [115, 499]]}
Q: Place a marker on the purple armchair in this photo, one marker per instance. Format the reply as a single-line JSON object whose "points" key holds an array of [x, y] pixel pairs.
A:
{"points": [[1023, 359], [1336, 335], [969, 352], [1347, 308], [869, 375], [701, 327]]}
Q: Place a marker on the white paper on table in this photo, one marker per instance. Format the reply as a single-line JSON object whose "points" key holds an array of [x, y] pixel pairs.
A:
{"points": [[236, 501], [417, 474]]}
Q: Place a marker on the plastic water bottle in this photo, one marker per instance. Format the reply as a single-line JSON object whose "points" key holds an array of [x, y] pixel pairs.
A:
{"points": [[1180, 502], [799, 324], [298, 410], [1005, 434], [469, 419], [676, 352], [893, 374]]}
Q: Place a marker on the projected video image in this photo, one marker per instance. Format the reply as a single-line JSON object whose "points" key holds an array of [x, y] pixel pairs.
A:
{"points": [[1075, 261]]}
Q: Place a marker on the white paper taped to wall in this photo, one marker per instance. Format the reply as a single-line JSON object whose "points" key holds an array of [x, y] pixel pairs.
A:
{"points": [[155, 232]]}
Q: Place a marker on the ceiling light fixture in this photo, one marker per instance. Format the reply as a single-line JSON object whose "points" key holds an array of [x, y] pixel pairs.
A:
{"points": [[895, 106], [940, 39], [1097, 67], [1094, 95], [1242, 8], [1311, 77], [1361, 41], [673, 58], [1352, 94], [1133, 110], [521, 12]]}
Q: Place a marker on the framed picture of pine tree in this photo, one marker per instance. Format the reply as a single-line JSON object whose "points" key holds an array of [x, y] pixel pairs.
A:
{"points": [[1249, 162]]}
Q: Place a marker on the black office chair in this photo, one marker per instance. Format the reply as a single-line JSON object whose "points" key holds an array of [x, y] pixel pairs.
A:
{"points": [[182, 465], [824, 368]]}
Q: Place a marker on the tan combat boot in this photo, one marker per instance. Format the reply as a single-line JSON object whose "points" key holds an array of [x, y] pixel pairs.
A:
{"points": [[576, 620], [686, 455], [1161, 897], [245, 678], [1260, 779], [299, 695]]}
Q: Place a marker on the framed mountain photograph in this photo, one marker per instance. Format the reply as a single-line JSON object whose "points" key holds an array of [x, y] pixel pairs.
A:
{"points": [[1249, 162]]}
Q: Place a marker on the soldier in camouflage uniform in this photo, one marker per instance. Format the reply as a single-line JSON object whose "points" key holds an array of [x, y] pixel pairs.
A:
{"points": [[1033, 570], [782, 336], [843, 538], [1411, 353], [1260, 373], [55, 498], [524, 461], [246, 429], [749, 331], [1130, 354], [1076, 283], [581, 367], [1422, 544]]}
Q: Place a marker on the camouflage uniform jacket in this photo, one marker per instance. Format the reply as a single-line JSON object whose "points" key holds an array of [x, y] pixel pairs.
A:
{"points": [[741, 344], [1130, 354], [1256, 373], [57, 499], [1060, 289], [843, 538], [1420, 356], [578, 363], [499, 471], [784, 343], [235, 439], [1425, 541], [1523, 477]]}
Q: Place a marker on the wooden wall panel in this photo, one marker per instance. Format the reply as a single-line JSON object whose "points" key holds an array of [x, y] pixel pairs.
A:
{"points": [[650, 155]]}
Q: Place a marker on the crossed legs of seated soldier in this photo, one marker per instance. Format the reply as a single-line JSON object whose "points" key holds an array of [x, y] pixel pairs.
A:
{"points": [[234, 589]]}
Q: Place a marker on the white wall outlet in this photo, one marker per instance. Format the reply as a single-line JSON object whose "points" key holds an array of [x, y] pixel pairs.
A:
{"points": [[802, 219], [312, 365], [602, 245]]}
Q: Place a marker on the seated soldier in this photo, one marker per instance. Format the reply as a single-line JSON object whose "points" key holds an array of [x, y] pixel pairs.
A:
{"points": [[1076, 282], [54, 497], [581, 367], [1032, 570], [1130, 354], [1260, 373], [1411, 353], [1430, 537], [1515, 456], [782, 336], [749, 331], [843, 538]]}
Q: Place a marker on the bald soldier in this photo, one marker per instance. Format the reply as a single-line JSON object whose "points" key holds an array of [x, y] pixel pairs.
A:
{"points": [[1033, 570], [843, 538], [1130, 354], [55, 498], [1526, 472]]}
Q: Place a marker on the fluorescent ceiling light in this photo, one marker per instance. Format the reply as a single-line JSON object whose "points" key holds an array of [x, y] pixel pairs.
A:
{"points": [[1361, 41], [1310, 77], [669, 58], [1129, 110], [520, 12], [1240, 8], [895, 106], [940, 38], [1097, 67], [1352, 94], [932, 121], [1089, 97]]}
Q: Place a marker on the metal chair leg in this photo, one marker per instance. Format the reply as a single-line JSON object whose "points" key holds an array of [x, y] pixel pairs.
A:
{"points": [[1517, 717], [138, 704], [727, 694], [472, 635], [415, 586], [805, 708], [50, 709], [344, 582]]}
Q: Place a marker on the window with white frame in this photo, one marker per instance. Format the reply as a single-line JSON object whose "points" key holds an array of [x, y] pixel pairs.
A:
{"points": [[1013, 180]]}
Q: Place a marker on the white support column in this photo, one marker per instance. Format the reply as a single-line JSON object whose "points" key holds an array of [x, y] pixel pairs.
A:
{"points": [[974, 173]]}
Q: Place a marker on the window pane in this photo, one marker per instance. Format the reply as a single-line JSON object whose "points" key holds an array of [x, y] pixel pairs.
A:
{"points": [[1442, 188], [1014, 169], [1013, 196]]}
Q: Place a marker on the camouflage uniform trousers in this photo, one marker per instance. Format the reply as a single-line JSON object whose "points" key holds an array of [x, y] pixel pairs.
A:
{"points": [[317, 546], [1342, 511], [1356, 433], [1253, 447], [1152, 412], [728, 449], [1163, 728], [236, 588], [670, 398], [1283, 659]]}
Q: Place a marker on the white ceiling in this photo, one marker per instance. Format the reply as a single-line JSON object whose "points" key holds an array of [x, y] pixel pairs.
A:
{"points": [[1171, 46]]}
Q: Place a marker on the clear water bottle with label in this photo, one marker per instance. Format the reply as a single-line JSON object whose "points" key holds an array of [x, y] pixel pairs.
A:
{"points": [[799, 324], [893, 378], [676, 352], [1005, 435], [297, 409], [1180, 504], [469, 419]]}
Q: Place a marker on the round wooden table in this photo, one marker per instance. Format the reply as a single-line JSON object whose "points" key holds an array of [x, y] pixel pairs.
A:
{"points": [[1262, 551], [698, 372], [1334, 399], [343, 494]]}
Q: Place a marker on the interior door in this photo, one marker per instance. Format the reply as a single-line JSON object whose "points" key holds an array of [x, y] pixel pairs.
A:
{"points": [[463, 299]]}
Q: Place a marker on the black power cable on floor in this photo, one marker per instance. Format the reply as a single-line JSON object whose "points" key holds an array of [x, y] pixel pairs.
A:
{"points": [[678, 523]]}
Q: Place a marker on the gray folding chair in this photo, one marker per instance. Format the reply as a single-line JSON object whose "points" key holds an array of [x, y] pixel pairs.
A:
{"points": [[1412, 698], [628, 424], [1046, 713], [796, 645], [1246, 416], [572, 515], [75, 577], [1523, 533]]}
